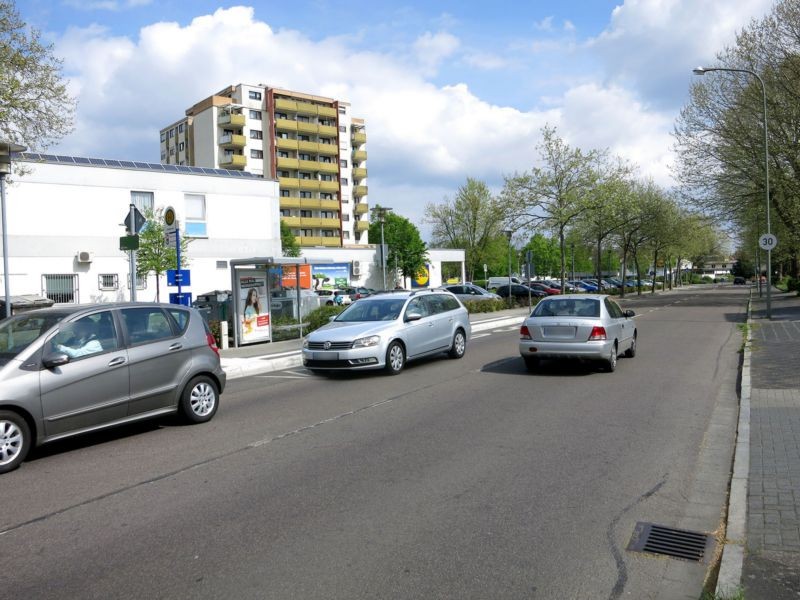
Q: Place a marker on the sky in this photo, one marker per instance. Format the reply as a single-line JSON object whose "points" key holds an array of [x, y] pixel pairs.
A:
{"points": [[449, 90]]}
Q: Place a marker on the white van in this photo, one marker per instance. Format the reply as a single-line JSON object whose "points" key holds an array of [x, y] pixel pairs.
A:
{"points": [[496, 282]]}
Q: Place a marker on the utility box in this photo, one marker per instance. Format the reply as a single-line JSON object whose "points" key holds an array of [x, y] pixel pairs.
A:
{"points": [[23, 303]]}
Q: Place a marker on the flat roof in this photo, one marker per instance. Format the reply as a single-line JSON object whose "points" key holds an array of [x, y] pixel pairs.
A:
{"points": [[132, 165]]}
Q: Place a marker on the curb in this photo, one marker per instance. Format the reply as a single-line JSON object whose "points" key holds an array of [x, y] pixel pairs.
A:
{"points": [[729, 579], [267, 363]]}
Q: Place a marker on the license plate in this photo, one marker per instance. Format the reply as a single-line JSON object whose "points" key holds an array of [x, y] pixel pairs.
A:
{"points": [[561, 333], [325, 356]]}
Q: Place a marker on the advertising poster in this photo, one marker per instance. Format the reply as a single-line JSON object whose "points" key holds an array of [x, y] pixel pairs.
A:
{"points": [[253, 315], [289, 278], [422, 278], [330, 277]]}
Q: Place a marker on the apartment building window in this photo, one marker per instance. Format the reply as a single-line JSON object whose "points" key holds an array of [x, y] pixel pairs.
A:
{"points": [[343, 163], [254, 95], [328, 214], [345, 181], [325, 159], [163, 136], [172, 151], [285, 193], [329, 233], [281, 134], [326, 196], [256, 134], [195, 206], [346, 235], [345, 199], [326, 177], [285, 212], [163, 155], [255, 114], [343, 128], [325, 141], [306, 232], [303, 119], [256, 154], [342, 110], [305, 214], [142, 201], [172, 132], [283, 173], [304, 138], [180, 128], [283, 154], [180, 147], [304, 156], [61, 289], [279, 115], [108, 282], [305, 194], [345, 218], [304, 175]]}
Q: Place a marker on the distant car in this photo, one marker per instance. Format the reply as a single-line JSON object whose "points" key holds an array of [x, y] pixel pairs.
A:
{"points": [[332, 297], [470, 292], [356, 293], [739, 281], [582, 326], [385, 330], [547, 289], [71, 370], [520, 291], [581, 285]]}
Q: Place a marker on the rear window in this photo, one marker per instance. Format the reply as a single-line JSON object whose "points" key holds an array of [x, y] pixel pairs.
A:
{"points": [[567, 307], [181, 318]]}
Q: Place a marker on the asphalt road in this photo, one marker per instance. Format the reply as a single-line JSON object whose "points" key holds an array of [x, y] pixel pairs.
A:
{"points": [[457, 479]]}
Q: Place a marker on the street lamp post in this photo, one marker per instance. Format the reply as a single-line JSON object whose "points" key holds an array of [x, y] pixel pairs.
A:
{"points": [[382, 210], [509, 233], [573, 260], [703, 71], [6, 148]]}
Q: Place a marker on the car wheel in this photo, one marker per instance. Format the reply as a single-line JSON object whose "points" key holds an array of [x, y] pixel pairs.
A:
{"points": [[329, 303], [395, 358], [631, 352], [531, 363], [200, 400], [611, 361], [15, 440], [459, 346]]}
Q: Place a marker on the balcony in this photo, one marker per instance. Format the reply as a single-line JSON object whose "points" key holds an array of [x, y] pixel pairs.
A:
{"points": [[234, 140], [359, 173], [361, 208], [329, 204], [331, 167], [310, 203], [307, 146], [308, 185], [231, 119], [285, 144], [232, 161], [285, 125], [331, 241], [303, 127], [289, 183], [359, 191], [291, 221], [329, 186], [326, 111], [287, 163], [359, 138], [362, 226], [328, 149], [319, 241], [306, 108], [309, 165], [328, 130], [320, 222], [359, 156], [291, 202], [282, 104]]}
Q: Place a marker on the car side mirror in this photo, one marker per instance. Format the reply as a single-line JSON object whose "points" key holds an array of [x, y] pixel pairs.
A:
{"points": [[55, 359], [413, 316], [629, 313], [333, 318]]}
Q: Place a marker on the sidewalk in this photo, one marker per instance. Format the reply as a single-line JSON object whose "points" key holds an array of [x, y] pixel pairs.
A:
{"points": [[771, 566], [266, 357]]}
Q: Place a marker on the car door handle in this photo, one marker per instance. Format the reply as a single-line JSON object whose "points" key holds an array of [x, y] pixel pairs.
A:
{"points": [[120, 360], [176, 346]]}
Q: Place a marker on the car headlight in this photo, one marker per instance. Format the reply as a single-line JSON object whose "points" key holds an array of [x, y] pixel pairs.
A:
{"points": [[366, 342], [305, 343]]}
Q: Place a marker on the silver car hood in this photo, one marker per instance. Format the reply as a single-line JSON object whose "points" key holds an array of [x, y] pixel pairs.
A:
{"points": [[337, 331]]}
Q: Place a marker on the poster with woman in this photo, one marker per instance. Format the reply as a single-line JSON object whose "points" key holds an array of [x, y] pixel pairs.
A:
{"points": [[254, 316]]}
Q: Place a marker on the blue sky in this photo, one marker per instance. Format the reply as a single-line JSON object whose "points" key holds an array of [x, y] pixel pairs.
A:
{"points": [[448, 89]]}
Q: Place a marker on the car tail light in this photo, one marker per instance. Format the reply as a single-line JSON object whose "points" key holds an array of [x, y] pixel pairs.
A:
{"points": [[524, 333], [598, 333], [212, 343]]}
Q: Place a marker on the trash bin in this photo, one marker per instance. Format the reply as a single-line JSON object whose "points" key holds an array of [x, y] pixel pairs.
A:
{"points": [[215, 306], [23, 303]]}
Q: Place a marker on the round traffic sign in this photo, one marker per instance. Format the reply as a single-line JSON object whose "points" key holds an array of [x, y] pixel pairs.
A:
{"points": [[767, 241], [169, 216]]}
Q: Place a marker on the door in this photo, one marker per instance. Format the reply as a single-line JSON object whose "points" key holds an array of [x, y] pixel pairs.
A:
{"points": [[92, 388], [623, 326], [419, 334], [159, 358], [443, 320]]}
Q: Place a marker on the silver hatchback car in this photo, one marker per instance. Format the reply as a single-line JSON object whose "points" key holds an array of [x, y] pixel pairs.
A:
{"points": [[70, 370], [584, 326], [385, 330]]}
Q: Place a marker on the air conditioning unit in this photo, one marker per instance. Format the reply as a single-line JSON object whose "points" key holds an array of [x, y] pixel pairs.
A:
{"points": [[356, 268], [83, 257]]}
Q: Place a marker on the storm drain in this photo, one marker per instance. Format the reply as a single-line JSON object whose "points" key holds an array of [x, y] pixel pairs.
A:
{"points": [[668, 541]]}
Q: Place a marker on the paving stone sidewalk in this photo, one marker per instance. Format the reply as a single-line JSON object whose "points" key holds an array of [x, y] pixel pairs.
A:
{"points": [[772, 561]]}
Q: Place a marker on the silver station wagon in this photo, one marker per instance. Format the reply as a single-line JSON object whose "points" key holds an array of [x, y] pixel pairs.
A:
{"points": [[71, 370], [583, 326], [385, 330]]}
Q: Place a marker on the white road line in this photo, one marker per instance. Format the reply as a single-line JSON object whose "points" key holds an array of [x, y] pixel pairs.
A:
{"points": [[475, 336], [283, 376]]}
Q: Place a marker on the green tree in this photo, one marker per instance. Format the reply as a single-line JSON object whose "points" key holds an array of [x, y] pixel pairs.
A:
{"points": [[470, 221], [35, 108], [407, 252], [154, 254], [546, 259], [289, 244]]}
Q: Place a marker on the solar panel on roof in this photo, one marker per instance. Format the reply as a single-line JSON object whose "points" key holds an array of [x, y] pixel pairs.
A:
{"points": [[195, 169], [66, 159], [81, 160], [141, 165], [97, 161], [112, 163], [155, 167], [173, 168], [208, 171], [126, 163]]}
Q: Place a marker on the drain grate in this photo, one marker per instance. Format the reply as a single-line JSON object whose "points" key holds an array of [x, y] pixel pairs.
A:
{"points": [[668, 541]]}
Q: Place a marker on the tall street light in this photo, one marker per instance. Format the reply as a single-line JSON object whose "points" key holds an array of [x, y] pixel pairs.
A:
{"points": [[382, 210], [6, 148], [703, 71], [508, 234]]}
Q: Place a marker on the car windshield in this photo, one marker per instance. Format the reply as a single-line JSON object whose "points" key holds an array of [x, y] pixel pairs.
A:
{"points": [[567, 307], [383, 309], [19, 332]]}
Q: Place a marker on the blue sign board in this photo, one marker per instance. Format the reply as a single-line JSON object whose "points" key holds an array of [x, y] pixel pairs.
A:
{"points": [[184, 298], [181, 277]]}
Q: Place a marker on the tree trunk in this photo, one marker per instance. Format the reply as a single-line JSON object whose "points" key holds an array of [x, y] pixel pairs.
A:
{"points": [[563, 259], [624, 268], [158, 289]]}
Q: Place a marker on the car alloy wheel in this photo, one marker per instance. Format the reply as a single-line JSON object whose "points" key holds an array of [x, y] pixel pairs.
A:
{"points": [[631, 352], [459, 346], [15, 440], [395, 358], [200, 400], [611, 362]]}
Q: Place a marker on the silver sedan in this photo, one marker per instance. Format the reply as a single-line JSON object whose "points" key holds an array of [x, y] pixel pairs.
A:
{"points": [[585, 326]]}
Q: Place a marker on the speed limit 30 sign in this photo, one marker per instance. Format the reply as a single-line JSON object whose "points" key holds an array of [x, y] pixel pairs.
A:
{"points": [[767, 241]]}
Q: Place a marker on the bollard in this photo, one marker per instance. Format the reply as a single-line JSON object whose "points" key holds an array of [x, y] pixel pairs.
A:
{"points": [[223, 334]]}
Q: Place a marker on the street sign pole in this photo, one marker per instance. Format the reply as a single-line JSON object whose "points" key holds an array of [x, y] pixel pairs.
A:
{"points": [[178, 255], [132, 253]]}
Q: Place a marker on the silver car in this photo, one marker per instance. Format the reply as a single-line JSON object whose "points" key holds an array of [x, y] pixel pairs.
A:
{"points": [[585, 326], [70, 370], [385, 330], [468, 292]]}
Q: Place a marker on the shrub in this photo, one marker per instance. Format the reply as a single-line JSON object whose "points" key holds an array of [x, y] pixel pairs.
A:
{"points": [[320, 316]]}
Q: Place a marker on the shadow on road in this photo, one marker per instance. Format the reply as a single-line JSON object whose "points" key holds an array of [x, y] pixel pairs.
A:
{"points": [[547, 368]]}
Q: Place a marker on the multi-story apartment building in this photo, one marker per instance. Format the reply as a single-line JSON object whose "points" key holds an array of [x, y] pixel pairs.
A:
{"points": [[312, 145]]}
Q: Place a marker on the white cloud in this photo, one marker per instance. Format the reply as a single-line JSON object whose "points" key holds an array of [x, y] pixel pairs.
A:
{"points": [[432, 48], [545, 24], [485, 61]]}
